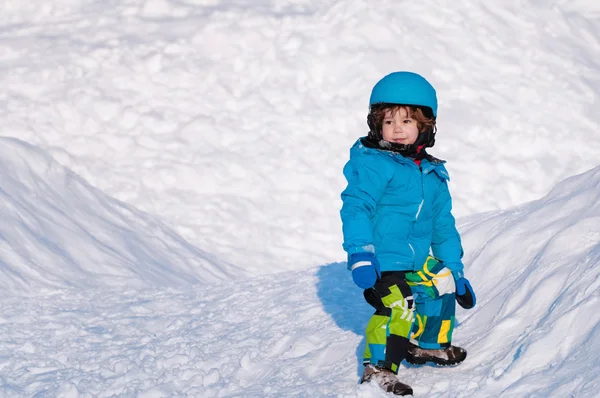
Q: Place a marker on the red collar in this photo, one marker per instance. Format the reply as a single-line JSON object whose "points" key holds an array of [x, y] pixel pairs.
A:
{"points": [[419, 149]]}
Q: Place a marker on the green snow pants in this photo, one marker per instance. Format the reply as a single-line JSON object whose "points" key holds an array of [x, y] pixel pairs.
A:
{"points": [[409, 306]]}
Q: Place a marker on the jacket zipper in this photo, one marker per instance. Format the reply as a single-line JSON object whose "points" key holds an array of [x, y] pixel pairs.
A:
{"points": [[422, 195], [420, 207]]}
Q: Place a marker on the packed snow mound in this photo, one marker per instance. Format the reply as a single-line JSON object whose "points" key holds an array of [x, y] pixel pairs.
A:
{"points": [[537, 271], [57, 231]]}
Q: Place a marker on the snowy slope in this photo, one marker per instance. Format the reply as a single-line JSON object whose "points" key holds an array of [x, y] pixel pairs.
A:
{"points": [[58, 232], [537, 268], [534, 332], [170, 175], [231, 119]]}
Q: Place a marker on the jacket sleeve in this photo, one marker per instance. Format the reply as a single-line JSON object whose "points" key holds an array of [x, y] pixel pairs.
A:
{"points": [[366, 185], [445, 243]]}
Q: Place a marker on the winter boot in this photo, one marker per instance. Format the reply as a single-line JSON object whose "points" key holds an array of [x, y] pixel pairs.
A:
{"points": [[386, 379], [450, 355]]}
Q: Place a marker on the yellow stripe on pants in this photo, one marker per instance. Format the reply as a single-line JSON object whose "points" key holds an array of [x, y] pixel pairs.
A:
{"points": [[444, 329]]}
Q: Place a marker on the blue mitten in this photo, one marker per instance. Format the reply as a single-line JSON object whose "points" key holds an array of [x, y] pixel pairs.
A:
{"points": [[365, 269], [465, 295]]}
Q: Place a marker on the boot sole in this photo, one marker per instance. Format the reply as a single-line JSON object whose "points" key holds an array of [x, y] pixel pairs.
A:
{"points": [[401, 389], [422, 361], [403, 392]]}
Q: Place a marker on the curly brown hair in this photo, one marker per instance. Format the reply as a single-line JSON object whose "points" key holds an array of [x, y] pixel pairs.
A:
{"points": [[423, 116]]}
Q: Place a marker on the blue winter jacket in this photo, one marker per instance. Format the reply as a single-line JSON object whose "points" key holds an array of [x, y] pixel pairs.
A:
{"points": [[398, 210]]}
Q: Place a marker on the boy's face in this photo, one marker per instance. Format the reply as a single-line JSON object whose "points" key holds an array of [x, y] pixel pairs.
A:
{"points": [[398, 127]]}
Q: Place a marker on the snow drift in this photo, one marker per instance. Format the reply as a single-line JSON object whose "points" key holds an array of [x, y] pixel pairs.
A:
{"points": [[58, 231], [537, 271]]}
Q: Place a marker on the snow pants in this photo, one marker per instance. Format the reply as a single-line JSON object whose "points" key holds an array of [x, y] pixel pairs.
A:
{"points": [[409, 306]]}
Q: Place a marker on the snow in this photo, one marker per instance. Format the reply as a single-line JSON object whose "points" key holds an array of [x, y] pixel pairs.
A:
{"points": [[170, 175], [60, 232]]}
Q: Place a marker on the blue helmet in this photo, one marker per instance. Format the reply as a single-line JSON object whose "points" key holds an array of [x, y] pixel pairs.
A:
{"points": [[405, 88]]}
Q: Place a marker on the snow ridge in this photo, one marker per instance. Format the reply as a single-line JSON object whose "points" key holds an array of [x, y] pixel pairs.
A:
{"points": [[57, 231]]}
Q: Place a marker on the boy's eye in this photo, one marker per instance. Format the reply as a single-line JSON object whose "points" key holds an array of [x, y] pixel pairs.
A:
{"points": [[408, 121], [387, 122]]}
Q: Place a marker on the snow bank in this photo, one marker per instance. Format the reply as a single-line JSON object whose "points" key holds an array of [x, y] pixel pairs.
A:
{"points": [[57, 231], [536, 268]]}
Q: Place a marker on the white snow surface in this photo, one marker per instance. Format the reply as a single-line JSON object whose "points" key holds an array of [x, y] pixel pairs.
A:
{"points": [[170, 175], [57, 232]]}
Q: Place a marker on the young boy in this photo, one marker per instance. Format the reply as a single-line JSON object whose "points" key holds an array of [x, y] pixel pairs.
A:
{"points": [[396, 209]]}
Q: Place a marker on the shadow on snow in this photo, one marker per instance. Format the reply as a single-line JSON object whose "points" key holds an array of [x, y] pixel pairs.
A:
{"points": [[344, 302]]}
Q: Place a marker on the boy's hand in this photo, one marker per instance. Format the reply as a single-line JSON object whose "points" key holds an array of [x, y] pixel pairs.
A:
{"points": [[365, 269], [465, 295]]}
